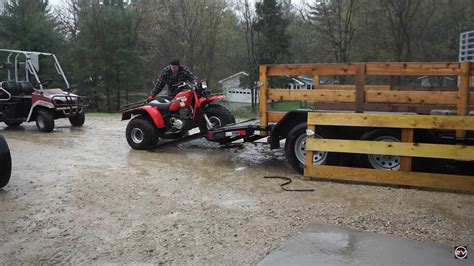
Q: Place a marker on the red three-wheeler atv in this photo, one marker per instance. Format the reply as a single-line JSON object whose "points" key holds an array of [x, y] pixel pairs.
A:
{"points": [[172, 119]]}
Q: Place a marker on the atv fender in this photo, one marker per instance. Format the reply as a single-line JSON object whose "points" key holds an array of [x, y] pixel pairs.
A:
{"points": [[147, 110], [211, 98], [37, 105]]}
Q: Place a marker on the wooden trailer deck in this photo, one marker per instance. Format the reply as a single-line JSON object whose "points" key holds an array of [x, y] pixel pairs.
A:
{"points": [[361, 98]]}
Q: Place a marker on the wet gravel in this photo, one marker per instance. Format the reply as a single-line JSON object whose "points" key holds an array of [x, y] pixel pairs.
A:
{"points": [[80, 196]]}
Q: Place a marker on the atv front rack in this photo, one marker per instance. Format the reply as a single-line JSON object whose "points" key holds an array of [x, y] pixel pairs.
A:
{"points": [[70, 101]]}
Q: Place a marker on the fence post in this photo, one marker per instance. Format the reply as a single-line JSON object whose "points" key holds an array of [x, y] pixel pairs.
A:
{"points": [[360, 90], [263, 95], [463, 98], [405, 161]]}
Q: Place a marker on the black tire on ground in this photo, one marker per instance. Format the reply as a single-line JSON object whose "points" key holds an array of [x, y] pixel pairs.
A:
{"points": [[382, 162], [45, 120], [5, 163], [13, 123], [141, 133], [218, 115], [77, 120], [295, 148]]}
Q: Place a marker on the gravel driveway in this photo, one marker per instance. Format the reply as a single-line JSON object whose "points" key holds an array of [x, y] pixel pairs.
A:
{"points": [[81, 195]]}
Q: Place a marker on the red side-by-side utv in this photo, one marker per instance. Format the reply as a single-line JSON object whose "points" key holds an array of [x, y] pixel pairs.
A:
{"points": [[26, 97]]}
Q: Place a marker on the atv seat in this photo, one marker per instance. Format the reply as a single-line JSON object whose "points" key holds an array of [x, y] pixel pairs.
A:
{"points": [[160, 106], [16, 88]]}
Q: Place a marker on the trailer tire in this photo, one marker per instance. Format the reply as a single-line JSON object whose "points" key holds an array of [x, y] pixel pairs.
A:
{"points": [[381, 162], [77, 120], [295, 144], [45, 120], [12, 123], [141, 133], [5, 163], [218, 115]]}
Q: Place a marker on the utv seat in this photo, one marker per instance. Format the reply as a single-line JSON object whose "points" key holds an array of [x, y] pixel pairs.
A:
{"points": [[18, 88]]}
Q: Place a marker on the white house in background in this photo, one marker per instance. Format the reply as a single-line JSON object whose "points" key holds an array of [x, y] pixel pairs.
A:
{"points": [[234, 91]]}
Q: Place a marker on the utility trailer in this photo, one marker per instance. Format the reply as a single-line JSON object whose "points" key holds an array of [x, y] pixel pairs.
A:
{"points": [[370, 133]]}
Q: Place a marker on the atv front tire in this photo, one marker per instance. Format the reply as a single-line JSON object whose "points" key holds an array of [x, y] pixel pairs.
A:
{"points": [[45, 120], [219, 117], [77, 120], [5, 163], [141, 133]]}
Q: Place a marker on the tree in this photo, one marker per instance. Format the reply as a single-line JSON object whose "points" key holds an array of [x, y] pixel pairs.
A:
{"points": [[273, 40], [29, 25], [401, 15], [335, 22], [247, 29], [106, 49]]}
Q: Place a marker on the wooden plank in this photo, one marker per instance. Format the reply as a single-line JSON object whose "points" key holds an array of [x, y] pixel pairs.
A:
{"points": [[359, 92], [263, 95], [392, 120], [352, 87], [414, 68], [311, 95], [317, 80], [464, 79], [311, 69], [412, 97], [273, 116], [406, 161], [429, 180], [442, 151]]}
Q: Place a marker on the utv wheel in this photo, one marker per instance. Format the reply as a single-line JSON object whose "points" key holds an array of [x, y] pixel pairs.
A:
{"points": [[77, 120], [377, 161], [295, 148], [5, 163], [219, 117], [13, 123], [141, 133], [45, 120]]}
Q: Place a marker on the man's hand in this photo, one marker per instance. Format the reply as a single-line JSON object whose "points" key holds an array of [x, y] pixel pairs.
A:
{"points": [[150, 98]]}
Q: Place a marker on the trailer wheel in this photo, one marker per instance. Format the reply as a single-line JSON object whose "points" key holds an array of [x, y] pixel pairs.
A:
{"points": [[141, 133], [13, 123], [77, 120], [295, 148], [44, 120], [5, 163], [377, 161]]}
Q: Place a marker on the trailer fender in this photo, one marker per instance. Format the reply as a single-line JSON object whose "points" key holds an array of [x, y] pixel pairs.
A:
{"points": [[147, 110], [280, 130]]}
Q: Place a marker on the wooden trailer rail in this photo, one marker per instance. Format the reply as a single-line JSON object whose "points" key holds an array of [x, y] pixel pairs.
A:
{"points": [[405, 148], [362, 94]]}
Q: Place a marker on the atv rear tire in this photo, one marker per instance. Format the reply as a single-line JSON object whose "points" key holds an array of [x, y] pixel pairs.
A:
{"points": [[219, 117], [5, 163], [295, 150], [77, 120], [141, 133], [45, 120], [13, 123]]}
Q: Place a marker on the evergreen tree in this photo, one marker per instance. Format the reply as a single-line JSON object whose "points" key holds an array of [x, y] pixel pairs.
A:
{"points": [[29, 25], [271, 24]]}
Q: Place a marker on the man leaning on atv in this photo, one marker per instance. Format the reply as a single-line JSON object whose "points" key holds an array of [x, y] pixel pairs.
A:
{"points": [[172, 75]]}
